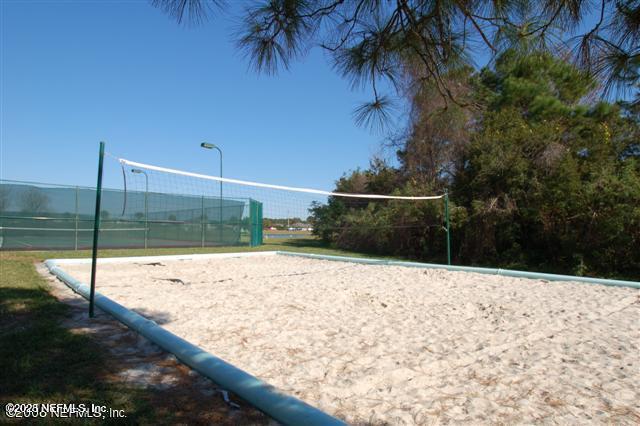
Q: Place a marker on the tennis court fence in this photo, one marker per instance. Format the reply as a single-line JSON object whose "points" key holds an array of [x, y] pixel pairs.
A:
{"points": [[46, 216]]}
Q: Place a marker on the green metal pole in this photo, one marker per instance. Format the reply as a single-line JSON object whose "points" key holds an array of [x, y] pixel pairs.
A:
{"points": [[213, 146], [255, 219], [253, 211], [146, 210], [202, 221], [220, 224], [96, 230], [446, 215], [260, 222], [75, 245], [250, 222]]}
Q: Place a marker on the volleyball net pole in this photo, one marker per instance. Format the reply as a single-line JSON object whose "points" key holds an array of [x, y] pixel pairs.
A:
{"points": [[447, 228], [96, 231]]}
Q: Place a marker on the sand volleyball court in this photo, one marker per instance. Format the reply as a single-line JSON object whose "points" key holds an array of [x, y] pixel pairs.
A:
{"points": [[376, 344]]}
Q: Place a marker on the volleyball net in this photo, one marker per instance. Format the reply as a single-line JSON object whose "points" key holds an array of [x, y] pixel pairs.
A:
{"points": [[286, 211], [166, 207]]}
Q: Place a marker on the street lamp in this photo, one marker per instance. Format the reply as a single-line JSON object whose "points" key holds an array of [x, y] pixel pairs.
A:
{"points": [[212, 146], [146, 202]]}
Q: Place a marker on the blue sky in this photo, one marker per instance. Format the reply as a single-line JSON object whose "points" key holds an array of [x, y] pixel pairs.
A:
{"points": [[75, 73]]}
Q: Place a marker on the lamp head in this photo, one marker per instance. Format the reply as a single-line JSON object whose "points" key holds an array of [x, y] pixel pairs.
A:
{"points": [[207, 145], [136, 171]]}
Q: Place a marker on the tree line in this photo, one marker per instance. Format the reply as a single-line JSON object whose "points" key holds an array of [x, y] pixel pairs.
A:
{"points": [[539, 175]]}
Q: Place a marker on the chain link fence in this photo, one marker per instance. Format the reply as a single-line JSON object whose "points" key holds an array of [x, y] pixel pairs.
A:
{"points": [[37, 216]]}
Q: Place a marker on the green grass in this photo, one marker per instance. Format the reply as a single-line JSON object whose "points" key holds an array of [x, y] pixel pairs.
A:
{"points": [[42, 361], [284, 231]]}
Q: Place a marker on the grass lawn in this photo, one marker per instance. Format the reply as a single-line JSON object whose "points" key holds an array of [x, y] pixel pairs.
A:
{"points": [[42, 361], [284, 231]]}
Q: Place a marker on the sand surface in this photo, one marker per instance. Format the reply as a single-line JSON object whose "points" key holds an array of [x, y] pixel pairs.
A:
{"points": [[397, 345]]}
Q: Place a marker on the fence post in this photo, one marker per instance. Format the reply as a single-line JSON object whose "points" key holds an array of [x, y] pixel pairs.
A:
{"points": [[146, 215], [259, 225], [75, 246], [202, 221], [252, 233]]}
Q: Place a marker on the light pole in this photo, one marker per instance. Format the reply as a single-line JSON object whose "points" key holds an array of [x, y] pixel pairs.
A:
{"points": [[146, 203], [212, 146]]}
